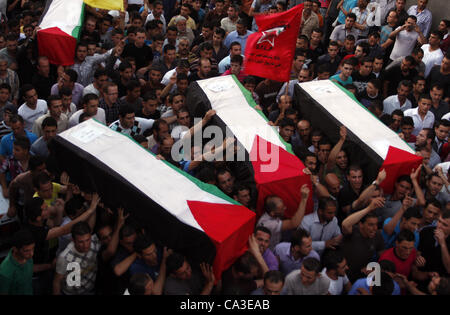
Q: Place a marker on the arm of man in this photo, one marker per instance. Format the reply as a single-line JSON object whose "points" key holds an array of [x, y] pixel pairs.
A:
{"points": [[354, 218], [331, 163], [367, 193], [295, 221], [110, 251], [124, 265], [389, 227]]}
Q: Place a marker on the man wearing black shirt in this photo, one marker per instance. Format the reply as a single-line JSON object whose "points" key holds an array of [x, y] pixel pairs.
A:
{"points": [[43, 80], [441, 74], [143, 54], [364, 74], [405, 71]]}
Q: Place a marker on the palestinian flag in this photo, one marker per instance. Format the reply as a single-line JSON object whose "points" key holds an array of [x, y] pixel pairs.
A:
{"points": [[270, 160], [60, 28], [370, 143], [181, 212]]}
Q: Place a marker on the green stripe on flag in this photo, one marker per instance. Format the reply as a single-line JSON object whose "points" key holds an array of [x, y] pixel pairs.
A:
{"points": [[353, 97], [77, 30], [251, 102]]}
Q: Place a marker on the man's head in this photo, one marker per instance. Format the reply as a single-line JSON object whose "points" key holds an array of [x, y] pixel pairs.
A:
{"points": [[241, 27], [233, 12], [160, 129], [366, 66], [183, 46], [418, 84], [178, 267], [303, 75], [362, 50], [68, 78], [242, 194], [368, 225], [436, 93], [125, 71], [81, 51], [225, 181], [140, 284], [411, 219], [100, 78], [327, 209], [146, 250], [444, 222], [434, 183], [425, 153], [350, 20], [402, 187], [411, 23], [262, 236], [49, 128], [54, 104], [275, 206], [127, 236], [126, 116], [347, 69], [431, 211], [324, 149], [311, 162], [335, 262], [273, 282], [287, 129], [235, 49], [43, 185], [424, 104], [205, 67], [310, 271], [23, 245], [333, 184], [349, 44], [425, 137], [133, 90], [81, 235], [11, 43], [403, 89], [333, 49], [441, 129], [17, 125], [110, 92], [355, 177], [90, 104], [30, 95], [218, 36], [316, 36], [301, 244]]}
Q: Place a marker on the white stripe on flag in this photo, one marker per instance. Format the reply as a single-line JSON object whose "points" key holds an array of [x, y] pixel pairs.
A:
{"points": [[233, 109], [167, 187], [64, 14], [355, 117]]}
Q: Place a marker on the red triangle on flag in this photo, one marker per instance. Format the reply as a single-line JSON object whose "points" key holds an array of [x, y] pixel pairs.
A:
{"points": [[283, 180], [228, 226], [398, 162]]}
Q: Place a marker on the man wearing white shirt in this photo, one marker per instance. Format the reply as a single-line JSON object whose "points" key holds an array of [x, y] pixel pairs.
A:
{"points": [[129, 124], [400, 100], [335, 268], [421, 115], [432, 53], [406, 38], [33, 108], [90, 107]]}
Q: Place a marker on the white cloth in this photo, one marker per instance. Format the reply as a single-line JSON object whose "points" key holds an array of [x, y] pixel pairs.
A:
{"points": [[100, 116], [392, 103], [430, 59], [30, 115], [419, 124], [91, 89]]}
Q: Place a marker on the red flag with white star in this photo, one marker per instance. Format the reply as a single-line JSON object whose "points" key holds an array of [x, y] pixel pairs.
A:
{"points": [[270, 51]]}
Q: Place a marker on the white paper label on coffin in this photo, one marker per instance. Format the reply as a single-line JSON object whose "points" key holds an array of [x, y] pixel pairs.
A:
{"points": [[152, 177]]}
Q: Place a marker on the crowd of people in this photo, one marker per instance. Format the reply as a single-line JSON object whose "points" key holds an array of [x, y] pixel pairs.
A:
{"points": [[132, 72]]}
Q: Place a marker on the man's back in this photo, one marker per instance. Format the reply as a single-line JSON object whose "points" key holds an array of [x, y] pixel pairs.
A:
{"points": [[294, 285]]}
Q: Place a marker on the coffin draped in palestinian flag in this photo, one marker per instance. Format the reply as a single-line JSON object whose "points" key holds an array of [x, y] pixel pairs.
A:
{"points": [[269, 159], [180, 212], [60, 28], [370, 143]]}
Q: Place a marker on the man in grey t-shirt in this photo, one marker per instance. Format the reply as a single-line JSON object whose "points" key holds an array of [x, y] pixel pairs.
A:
{"points": [[307, 280]]}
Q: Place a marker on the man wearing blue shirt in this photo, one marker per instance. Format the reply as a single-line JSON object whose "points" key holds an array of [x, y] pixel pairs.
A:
{"points": [[344, 77], [18, 129], [240, 35]]}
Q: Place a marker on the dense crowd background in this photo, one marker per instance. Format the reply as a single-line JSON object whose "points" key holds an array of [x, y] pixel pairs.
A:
{"points": [[133, 70]]}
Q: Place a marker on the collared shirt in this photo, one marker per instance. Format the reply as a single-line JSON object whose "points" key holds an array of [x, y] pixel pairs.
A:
{"points": [[361, 17], [274, 225], [320, 233], [287, 262], [392, 103], [15, 278], [228, 25], [235, 37], [423, 19], [340, 33], [419, 124], [270, 259]]}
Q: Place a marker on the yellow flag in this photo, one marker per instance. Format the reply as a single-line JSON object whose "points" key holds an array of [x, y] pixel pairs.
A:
{"points": [[106, 4]]}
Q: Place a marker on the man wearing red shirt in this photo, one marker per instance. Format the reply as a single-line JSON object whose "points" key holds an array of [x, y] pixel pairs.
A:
{"points": [[403, 255]]}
